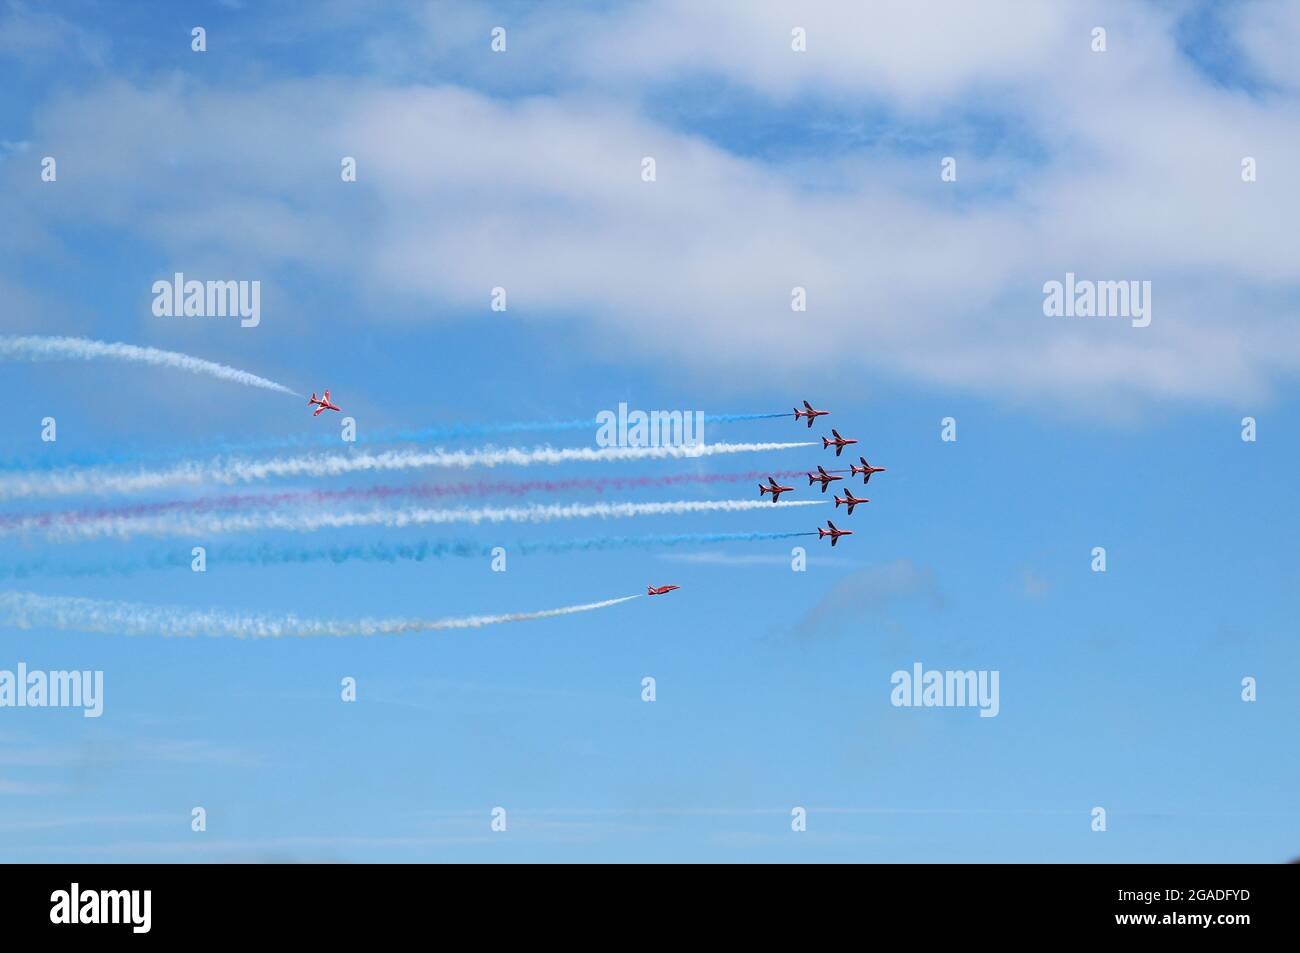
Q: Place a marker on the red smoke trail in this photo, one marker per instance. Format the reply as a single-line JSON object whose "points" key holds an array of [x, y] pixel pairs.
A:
{"points": [[480, 488]]}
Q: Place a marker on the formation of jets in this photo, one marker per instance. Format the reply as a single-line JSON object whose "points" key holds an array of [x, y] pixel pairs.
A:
{"points": [[825, 477], [324, 403]]}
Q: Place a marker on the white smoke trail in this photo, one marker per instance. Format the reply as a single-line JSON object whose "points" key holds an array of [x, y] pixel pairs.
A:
{"points": [[96, 480], [26, 610], [72, 349], [311, 521]]}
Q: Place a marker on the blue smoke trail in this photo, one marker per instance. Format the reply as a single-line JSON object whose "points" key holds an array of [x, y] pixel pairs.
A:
{"points": [[299, 441], [636, 542], [423, 551]]}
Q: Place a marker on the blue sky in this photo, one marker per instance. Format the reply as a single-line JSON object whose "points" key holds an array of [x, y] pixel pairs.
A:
{"points": [[775, 169]]}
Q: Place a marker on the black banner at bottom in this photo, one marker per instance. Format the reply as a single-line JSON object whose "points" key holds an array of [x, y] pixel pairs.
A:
{"points": [[89, 902]]}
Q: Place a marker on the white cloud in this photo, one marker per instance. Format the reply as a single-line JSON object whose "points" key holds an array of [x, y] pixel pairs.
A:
{"points": [[1269, 34], [460, 192], [32, 34], [914, 52]]}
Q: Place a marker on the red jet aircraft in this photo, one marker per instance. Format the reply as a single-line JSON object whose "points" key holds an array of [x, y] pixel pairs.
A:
{"points": [[774, 489], [809, 413], [659, 590], [851, 500], [839, 443], [866, 470], [324, 403], [824, 478], [833, 533]]}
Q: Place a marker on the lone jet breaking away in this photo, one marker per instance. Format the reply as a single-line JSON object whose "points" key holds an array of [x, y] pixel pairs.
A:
{"points": [[324, 403], [774, 489], [866, 470], [824, 478], [851, 500], [833, 533], [839, 443], [809, 413], [659, 590]]}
